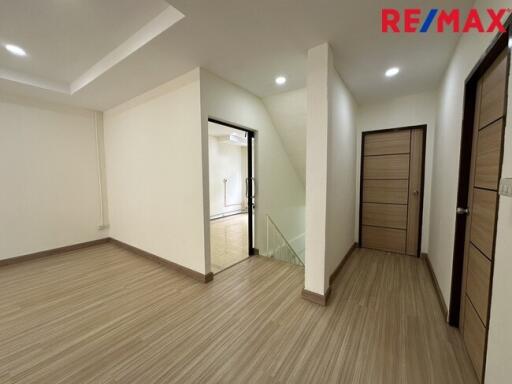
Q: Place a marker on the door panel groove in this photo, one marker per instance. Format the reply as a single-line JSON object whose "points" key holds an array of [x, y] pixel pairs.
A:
{"points": [[385, 191], [479, 250], [487, 125], [374, 202], [401, 179], [486, 189], [380, 226], [387, 154], [476, 312]]}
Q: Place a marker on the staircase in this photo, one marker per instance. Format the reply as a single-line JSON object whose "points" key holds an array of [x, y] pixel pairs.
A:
{"points": [[279, 248]]}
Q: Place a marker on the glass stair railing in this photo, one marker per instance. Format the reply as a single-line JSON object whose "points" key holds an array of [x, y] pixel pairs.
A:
{"points": [[278, 247]]}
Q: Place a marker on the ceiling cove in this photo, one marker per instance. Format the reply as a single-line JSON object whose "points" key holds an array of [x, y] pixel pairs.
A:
{"points": [[157, 25]]}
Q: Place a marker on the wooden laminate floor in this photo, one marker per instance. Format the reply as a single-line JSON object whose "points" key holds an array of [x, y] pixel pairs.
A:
{"points": [[104, 315]]}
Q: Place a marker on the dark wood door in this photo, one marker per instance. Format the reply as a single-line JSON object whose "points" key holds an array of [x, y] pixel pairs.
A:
{"points": [[486, 158], [392, 190]]}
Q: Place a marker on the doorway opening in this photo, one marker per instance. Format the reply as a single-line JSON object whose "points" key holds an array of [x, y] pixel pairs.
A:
{"points": [[231, 178]]}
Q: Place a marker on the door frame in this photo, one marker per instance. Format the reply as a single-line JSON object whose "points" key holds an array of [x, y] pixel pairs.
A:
{"points": [[423, 127], [250, 176], [498, 44]]}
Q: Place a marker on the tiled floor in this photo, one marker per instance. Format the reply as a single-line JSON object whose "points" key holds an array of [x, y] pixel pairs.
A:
{"points": [[228, 241]]}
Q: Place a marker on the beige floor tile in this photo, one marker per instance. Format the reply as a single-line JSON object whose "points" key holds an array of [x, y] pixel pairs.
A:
{"points": [[228, 239]]}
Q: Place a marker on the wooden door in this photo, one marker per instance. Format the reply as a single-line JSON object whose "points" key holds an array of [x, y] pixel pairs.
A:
{"points": [[392, 190], [483, 198]]}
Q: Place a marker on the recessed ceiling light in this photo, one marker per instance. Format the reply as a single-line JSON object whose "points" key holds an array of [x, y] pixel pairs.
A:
{"points": [[280, 80], [15, 50], [392, 72]]}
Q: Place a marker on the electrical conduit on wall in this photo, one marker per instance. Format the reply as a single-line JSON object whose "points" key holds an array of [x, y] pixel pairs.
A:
{"points": [[100, 157]]}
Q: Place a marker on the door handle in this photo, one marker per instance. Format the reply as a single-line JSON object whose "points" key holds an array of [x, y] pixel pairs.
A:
{"points": [[462, 211], [253, 181]]}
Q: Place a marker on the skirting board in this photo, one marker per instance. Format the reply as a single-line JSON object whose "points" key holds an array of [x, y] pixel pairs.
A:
{"points": [[440, 298], [227, 214], [186, 271], [51, 252], [316, 297], [323, 299]]}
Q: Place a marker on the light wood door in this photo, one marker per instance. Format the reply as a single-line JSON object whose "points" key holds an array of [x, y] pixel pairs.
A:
{"points": [[483, 203], [392, 185]]}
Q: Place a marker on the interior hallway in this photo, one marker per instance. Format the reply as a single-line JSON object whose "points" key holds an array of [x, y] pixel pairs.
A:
{"points": [[103, 314], [229, 242]]}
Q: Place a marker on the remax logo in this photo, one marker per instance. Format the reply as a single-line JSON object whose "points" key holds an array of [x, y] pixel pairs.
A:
{"points": [[412, 20]]}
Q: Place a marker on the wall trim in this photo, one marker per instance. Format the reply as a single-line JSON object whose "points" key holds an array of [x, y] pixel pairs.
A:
{"points": [[167, 263], [323, 299], [439, 294], [220, 216], [51, 252], [316, 297]]}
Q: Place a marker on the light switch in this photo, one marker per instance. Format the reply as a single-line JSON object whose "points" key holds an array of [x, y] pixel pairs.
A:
{"points": [[506, 187]]}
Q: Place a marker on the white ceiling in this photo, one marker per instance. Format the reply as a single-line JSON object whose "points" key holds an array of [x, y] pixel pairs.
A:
{"points": [[66, 37], [247, 42], [71, 43]]}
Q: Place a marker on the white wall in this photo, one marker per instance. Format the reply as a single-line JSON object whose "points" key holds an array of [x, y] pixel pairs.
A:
{"points": [[226, 162], [288, 111], [330, 167], [416, 109], [444, 199], [49, 195], [154, 160], [316, 168], [279, 190], [341, 170]]}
